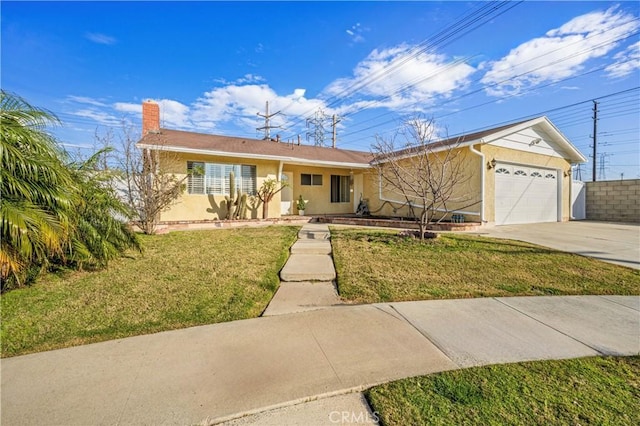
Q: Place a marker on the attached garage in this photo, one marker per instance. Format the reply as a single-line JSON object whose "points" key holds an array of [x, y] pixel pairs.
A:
{"points": [[526, 194]]}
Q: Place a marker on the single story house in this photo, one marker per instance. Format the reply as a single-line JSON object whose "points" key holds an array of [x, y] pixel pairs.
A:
{"points": [[518, 173]]}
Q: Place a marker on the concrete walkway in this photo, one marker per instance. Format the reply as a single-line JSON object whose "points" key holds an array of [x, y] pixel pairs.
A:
{"points": [[218, 372], [307, 280]]}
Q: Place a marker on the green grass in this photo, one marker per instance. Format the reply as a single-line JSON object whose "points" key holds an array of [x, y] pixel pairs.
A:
{"points": [[379, 266], [603, 391], [183, 279]]}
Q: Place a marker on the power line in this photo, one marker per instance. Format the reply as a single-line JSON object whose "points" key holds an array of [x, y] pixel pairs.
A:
{"points": [[486, 12], [521, 118], [572, 55], [451, 100]]}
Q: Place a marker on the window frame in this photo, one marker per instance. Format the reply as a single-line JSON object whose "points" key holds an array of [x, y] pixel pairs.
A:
{"points": [[313, 179], [213, 178], [340, 189]]}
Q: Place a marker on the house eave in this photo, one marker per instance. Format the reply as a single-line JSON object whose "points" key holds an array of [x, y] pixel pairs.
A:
{"points": [[285, 159], [575, 156]]}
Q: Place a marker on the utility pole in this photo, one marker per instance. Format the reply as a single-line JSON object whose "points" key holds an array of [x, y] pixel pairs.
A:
{"points": [[595, 135], [336, 120], [267, 127]]}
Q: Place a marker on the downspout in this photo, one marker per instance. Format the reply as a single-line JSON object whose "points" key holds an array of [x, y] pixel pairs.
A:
{"points": [[482, 174], [571, 217], [280, 166]]}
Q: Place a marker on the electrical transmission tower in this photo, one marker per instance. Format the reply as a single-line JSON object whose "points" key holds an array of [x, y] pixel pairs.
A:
{"points": [[578, 172], [602, 175], [267, 122], [315, 127]]}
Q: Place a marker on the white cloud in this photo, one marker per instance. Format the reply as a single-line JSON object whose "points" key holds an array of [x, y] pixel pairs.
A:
{"points": [[241, 103], [627, 62], [101, 117], [173, 114], [100, 38], [247, 78], [414, 83], [404, 79], [355, 33], [561, 53], [128, 107], [86, 100]]}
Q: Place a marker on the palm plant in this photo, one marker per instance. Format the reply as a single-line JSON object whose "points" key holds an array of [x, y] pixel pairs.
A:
{"points": [[101, 231], [50, 211], [36, 190]]}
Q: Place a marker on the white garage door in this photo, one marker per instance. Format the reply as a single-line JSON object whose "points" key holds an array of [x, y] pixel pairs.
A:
{"points": [[525, 194]]}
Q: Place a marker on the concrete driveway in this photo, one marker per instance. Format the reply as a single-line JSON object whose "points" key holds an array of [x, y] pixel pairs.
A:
{"points": [[611, 242]]}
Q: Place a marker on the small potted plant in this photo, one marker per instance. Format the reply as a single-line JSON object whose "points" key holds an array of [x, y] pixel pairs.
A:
{"points": [[301, 204]]}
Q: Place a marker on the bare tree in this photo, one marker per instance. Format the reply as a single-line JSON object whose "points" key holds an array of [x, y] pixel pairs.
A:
{"points": [[427, 175], [149, 183], [143, 178]]}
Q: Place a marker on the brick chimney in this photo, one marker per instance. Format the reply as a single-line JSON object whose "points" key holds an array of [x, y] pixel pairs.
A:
{"points": [[150, 117]]}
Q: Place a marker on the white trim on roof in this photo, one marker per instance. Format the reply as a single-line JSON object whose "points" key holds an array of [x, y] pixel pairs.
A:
{"points": [[288, 160], [574, 154]]}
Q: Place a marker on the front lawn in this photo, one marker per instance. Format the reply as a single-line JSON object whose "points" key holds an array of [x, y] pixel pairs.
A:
{"points": [[603, 391], [183, 279], [379, 266]]}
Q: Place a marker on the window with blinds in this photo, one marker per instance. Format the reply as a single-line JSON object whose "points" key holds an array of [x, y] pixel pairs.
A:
{"points": [[213, 179]]}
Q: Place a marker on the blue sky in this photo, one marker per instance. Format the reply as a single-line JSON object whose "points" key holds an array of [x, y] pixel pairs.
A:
{"points": [[213, 65]]}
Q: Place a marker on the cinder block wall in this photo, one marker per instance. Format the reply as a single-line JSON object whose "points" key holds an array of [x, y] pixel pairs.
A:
{"points": [[614, 200]]}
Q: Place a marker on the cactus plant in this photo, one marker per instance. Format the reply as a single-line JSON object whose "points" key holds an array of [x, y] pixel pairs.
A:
{"points": [[236, 201], [229, 198], [242, 208]]}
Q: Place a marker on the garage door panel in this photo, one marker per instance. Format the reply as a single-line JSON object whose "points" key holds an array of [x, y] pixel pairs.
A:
{"points": [[525, 195]]}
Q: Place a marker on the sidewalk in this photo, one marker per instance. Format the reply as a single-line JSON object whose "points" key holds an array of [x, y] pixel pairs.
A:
{"points": [[203, 374], [307, 280]]}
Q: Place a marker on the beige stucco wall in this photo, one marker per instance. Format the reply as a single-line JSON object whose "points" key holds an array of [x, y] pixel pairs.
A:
{"points": [[194, 207], [513, 156], [319, 197], [471, 190], [465, 198]]}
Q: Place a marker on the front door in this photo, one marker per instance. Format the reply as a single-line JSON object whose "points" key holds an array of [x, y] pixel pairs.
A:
{"points": [[286, 197]]}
